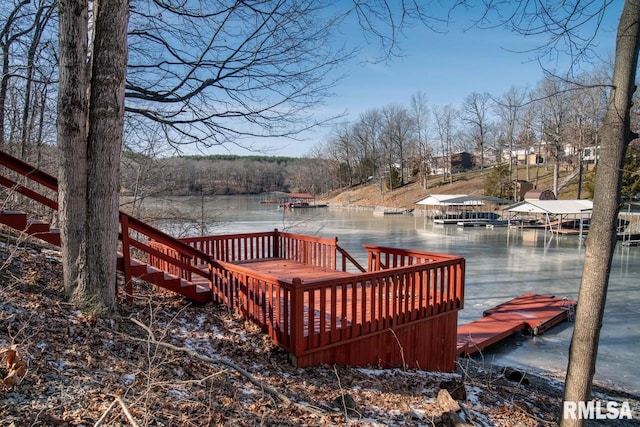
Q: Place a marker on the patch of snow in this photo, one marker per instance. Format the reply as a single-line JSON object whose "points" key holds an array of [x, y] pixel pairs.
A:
{"points": [[60, 365], [472, 395], [178, 394], [128, 379], [248, 391]]}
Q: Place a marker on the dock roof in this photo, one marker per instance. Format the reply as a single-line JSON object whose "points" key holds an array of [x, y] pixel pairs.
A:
{"points": [[555, 207], [460, 200]]}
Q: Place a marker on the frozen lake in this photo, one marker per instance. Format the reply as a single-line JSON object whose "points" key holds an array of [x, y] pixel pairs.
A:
{"points": [[500, 264]]}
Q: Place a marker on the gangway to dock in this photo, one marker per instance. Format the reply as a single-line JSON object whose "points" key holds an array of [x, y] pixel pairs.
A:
{"points": [[528, 312]]}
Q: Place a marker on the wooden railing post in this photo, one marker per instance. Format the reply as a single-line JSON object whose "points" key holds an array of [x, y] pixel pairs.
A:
{"points": [[126, 254], [297, 318], [276, 243], [335, 256]]}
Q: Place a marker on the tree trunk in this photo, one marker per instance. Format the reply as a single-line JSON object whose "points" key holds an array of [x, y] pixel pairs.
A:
{"points": [[90, 138], [616, 135], [72, 138], [106, 120]]}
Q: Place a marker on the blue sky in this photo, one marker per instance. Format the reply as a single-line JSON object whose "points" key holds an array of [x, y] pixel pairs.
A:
{"points": [[445, 67]]}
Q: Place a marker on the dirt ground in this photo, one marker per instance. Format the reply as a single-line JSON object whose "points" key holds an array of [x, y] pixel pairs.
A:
{"points": [[167, 362]]}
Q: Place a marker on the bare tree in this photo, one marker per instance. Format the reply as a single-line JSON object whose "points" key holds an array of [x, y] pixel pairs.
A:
{"points": [[420, 114], [17, 24], [616, 136], [474, 112], [555, 122], [527, 137], [397, 137], [508, 108], [369, 131], [43, 15], [255, 72], [445, 128]]}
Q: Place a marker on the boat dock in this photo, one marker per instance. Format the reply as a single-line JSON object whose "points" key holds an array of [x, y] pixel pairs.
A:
{"points": [[530, 312]]}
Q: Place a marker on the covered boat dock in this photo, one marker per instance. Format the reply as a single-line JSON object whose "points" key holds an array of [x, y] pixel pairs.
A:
{"points": [[558, 216], [461, 208]]}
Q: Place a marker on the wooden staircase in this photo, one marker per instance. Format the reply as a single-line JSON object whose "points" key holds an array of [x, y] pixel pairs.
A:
{"points": [[18, 221], [196, 285]]}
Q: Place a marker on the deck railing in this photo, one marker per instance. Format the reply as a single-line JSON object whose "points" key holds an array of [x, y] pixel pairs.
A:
{"points": [[344, 309], [310, 316], [311, 250], [380, 257]]}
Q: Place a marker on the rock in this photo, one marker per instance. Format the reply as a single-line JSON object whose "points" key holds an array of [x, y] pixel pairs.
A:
{"points": [[452, 419], [516, 376], [346, 403], [456, 388], [446, 402]]}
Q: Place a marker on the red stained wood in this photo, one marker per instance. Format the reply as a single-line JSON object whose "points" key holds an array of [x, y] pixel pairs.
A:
{"points": [[393, 318], [533, 312]]}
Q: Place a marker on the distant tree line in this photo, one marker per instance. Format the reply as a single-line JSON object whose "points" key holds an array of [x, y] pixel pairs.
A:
{"points": [[554, 121], [223, 174]]}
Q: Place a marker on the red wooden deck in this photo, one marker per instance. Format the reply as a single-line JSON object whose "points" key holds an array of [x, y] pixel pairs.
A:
{"points": [[323, 308], [404, 315], [536, 313]]}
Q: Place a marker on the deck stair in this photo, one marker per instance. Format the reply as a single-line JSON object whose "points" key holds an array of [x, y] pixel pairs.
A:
{"points": [[196, 289], [34, 227], [40, 229], [529, 312]]}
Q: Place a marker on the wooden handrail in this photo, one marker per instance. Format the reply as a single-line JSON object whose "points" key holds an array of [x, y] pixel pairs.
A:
{"points": [[25, 169], [251, 246], [27, 192], [347, 256], [164, 238]]}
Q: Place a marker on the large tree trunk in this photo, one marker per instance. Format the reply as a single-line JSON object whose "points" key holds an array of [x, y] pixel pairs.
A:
{"points": [[106, 120], [72, 138], [90, 138], [616, 135]]}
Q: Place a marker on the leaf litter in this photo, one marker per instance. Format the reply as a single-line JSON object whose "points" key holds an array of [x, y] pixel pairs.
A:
{"points": [[62, 367]]}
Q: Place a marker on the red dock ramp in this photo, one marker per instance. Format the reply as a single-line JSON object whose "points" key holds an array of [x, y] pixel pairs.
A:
{"points": [[532, 312]]}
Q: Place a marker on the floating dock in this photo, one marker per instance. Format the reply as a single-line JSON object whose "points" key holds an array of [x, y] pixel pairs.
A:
{"points": [[531, 312]]}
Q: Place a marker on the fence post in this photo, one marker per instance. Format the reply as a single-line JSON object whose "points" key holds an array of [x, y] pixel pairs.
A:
{"points": [[126, 254], [297, 318]]}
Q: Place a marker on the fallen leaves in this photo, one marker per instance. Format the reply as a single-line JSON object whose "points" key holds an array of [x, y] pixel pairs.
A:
{"points": [[72, 369], [14, 365]]}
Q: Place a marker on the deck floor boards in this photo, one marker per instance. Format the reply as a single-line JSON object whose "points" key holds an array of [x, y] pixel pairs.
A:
{"points": [[287, 270]]}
